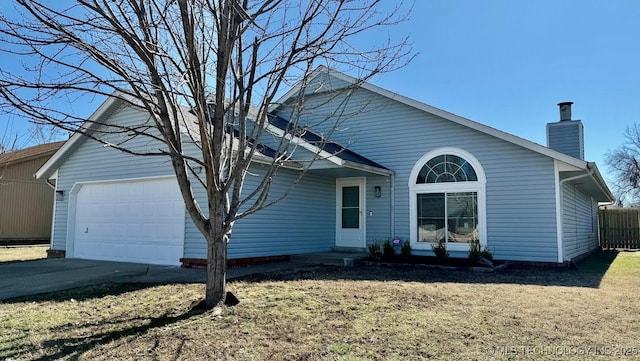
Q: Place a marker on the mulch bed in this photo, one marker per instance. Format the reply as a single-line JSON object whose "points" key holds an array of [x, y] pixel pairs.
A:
{"points": [[454, 263]]}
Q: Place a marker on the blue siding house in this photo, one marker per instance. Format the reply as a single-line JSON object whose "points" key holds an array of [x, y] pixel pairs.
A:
{"points": [[394, 167]]}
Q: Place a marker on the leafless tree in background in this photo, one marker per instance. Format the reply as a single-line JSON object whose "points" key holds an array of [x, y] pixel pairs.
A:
{"points": [[8, 141], [227, 61], [44, 133], [624, 163], [5, 144]]}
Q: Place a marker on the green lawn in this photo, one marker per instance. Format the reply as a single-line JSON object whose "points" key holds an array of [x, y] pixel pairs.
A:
{"points": [[346, 314], [9, 254]]}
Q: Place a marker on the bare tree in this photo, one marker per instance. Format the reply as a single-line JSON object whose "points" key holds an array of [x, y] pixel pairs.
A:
{"points": [[8, 141], [624, 163], [44, 133], [226, 61]]}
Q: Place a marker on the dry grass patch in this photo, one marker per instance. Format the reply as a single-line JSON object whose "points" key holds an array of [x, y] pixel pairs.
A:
{"points": [[344, 314], [9, 254]]}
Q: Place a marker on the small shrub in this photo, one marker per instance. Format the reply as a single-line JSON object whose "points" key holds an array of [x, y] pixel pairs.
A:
{"points": [[405, 251], [475, 252], [440, 249], [387, 249], [485, 253], [374, 251]]}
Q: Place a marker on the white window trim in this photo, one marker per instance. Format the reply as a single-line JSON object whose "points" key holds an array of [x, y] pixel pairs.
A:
{"points": [[478, 186]]}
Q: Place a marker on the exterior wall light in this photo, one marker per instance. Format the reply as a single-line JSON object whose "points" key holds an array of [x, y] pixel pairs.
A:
{"points": [[59, 195], [378, 191]]}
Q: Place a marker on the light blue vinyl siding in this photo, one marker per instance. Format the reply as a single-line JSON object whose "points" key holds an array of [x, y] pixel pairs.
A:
{"points": [[92, 161], [520, 191], [566, 137], [378, 211], [579, 214], [302, 222]]}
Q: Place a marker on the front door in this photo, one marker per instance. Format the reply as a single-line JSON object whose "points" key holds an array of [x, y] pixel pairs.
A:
{"points": [[350, 212]]}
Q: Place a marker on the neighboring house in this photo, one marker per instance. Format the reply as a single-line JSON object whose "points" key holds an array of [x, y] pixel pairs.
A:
{"points": [[411, 171], [26, 203]]}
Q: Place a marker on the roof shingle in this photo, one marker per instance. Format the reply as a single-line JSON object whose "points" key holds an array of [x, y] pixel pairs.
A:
{"points": [[31, 152]]}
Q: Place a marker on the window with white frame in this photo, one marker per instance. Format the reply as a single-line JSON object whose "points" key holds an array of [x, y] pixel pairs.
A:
{"points": [[447, 199]]}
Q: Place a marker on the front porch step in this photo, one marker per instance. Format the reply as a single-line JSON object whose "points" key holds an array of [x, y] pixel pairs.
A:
{"points": [[329, 258], [349, 250]]}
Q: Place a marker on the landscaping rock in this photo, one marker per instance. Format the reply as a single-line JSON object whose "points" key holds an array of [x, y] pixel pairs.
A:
{"points": [[231, 300]]}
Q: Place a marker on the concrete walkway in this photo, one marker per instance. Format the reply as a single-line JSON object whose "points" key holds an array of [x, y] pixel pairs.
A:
{"points": [[47, 275]]}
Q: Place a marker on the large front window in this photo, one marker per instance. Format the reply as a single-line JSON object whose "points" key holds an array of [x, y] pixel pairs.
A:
{"points": [[449, 216], [447, 200]]}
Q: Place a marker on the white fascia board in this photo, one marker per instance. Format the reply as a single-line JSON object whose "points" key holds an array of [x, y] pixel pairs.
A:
{"points": [[322, 154], [368, 168], [321, 164], [597, 177], [592, 173], [443, 114], [564, 167], [286, 164], [51, 165]]}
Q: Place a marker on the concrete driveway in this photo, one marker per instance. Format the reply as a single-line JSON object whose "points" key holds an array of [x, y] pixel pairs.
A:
{"points": [[48, 275]]}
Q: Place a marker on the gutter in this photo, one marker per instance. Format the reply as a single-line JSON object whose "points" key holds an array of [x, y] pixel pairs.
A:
{"points": [[393, 206], [578, 176], [601, 183]]}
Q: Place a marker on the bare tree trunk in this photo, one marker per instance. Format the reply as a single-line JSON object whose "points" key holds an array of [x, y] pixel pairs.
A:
{"points": [[216, 270], [199, 68], [217, 254]]}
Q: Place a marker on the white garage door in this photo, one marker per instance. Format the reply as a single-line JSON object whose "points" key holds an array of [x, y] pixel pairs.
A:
{"points": [[137, 221]]}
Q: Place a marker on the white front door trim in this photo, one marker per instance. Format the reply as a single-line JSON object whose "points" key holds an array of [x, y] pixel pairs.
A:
{"points": [[359, 236]]}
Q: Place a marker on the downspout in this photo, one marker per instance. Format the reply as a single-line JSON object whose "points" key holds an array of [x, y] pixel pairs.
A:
{"points": [[562, 182], [53, 216], [393, 206]]}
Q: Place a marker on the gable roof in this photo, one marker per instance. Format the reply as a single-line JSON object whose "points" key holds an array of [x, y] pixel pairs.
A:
{"points": [[111, 104], [323, 70], [583, 165], [51, 166], [25, 154]]}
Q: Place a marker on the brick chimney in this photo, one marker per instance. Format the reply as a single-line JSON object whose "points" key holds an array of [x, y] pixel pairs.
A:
{"points": [[566, 135]]}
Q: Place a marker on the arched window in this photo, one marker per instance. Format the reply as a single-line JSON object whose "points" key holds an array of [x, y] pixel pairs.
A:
{"points": [[446, 168], [447, 190]]}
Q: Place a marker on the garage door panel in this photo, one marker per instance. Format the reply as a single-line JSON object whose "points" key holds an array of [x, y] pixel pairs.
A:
{"points": [[128, 252], [130, 221]]}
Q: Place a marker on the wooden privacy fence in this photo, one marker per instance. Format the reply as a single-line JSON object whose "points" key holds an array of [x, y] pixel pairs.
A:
{"points": [[619, 228]]}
